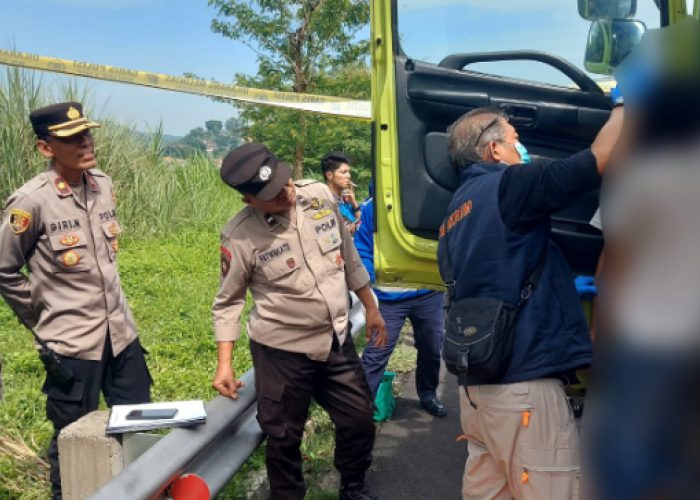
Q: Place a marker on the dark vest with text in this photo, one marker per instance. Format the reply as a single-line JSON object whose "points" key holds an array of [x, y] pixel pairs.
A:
{"points": [[489, 260]]}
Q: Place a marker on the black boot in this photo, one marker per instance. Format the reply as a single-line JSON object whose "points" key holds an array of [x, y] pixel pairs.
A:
{"points": [[353, 487]]}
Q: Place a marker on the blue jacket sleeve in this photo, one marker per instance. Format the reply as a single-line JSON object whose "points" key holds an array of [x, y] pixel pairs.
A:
{"points": [[364, 238]]}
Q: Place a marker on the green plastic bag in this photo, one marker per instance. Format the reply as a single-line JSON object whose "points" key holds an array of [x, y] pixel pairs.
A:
{"points": [[385, 402]]}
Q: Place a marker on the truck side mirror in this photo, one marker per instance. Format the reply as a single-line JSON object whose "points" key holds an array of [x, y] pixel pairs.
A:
{"points": [[594, 10], [609, 42]]}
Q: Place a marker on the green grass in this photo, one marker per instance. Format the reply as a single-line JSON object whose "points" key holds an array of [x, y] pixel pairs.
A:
{"points": [[169, 265], [170, 283]]}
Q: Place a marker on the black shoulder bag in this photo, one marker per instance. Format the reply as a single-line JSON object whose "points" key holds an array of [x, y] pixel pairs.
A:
{"points": [[478, 339]]}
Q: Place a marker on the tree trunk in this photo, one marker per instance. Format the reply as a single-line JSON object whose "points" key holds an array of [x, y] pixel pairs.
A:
{"points": [[300, 148], [300, 87], [299, 151]]}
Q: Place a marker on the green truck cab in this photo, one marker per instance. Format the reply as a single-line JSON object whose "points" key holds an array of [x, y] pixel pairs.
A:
{"points": [[538, 60]]}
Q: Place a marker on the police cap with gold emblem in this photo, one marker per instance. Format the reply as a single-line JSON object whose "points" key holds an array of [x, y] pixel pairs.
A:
{"points": [[60, 120], [252, 169]]}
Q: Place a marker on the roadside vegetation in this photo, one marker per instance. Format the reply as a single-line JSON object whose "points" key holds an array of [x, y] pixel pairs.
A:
{"points": [[169, 265]]}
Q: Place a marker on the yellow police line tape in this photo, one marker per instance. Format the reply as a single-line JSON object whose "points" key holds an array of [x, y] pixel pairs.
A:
{"points": [[336, 106]]}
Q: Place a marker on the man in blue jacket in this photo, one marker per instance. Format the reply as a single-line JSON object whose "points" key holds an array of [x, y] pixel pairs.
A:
{"points": [[422, 307], [523, 441]]}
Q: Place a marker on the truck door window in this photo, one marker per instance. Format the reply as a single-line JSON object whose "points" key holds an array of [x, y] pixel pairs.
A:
{"points": [[430, 30]]}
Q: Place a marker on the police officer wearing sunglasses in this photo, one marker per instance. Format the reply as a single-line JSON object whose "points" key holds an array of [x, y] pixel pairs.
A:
{"points": [[62, 225]]}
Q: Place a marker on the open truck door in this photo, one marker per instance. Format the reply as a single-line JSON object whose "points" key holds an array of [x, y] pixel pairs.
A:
{"points": [[433, 61]]}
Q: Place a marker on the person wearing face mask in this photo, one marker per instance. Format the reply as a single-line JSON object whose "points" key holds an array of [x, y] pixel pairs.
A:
{"points": [[523, 441]]}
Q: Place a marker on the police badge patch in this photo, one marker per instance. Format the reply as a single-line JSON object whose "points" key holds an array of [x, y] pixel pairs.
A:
{"points": [[61, 185], [69, 240], [93, 184], [19, 220], [265, 173], [225, 261], [70, 259]]}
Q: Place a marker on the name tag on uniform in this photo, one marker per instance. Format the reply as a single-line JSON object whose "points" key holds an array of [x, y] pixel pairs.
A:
{"points": [[271, 255], [64, 225]]}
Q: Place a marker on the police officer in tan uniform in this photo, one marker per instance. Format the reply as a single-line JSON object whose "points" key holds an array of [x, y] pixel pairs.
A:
{"points": [[290, 248], [62, 225]]}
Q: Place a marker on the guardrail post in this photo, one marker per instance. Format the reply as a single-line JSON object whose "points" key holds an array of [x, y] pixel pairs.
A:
{"points": [[89, 458]]}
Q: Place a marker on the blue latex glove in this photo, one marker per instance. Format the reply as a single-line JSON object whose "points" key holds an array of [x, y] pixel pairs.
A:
{"points": [[636, 78], [616, 95], [585, 287]]}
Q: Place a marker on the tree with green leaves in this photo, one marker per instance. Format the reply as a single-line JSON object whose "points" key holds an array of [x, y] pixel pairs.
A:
{"points": [[306, 46], [214, 127], [196, 139], [234, 125]]}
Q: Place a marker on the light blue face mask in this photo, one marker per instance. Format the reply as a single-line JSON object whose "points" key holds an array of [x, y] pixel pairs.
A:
{"points": [[524, 155]]}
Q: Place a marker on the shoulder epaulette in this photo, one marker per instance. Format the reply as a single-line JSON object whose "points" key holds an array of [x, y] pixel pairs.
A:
{"points": [[33, 185], [97, 173], [237, 220], [305, 182]]}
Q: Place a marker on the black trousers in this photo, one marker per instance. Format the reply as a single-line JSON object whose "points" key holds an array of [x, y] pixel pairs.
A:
{"points": [[285, 383], [124, 379]]}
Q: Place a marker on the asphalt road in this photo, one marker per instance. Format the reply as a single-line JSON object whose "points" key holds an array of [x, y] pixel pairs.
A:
{"points": [[416, 456]]}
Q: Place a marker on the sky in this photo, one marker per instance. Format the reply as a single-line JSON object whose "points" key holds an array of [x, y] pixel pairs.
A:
{"points": [[174, 36], [160, 36]]}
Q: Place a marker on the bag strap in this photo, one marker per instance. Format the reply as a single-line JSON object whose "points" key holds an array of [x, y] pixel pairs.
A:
{"points": [[449, 280], [531, 282]]}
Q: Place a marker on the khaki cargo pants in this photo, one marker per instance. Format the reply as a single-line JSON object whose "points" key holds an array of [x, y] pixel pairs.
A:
{"points": [[523, 442]]}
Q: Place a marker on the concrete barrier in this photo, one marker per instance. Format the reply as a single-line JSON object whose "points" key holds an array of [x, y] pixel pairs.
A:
{"points": [[89, 458]]}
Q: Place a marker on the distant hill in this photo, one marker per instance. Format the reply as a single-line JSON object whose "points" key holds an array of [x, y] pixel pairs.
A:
{"points": [[146, 136], [171, 138]]}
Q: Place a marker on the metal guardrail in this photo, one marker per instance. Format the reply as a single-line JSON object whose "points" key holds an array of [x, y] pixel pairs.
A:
{"points": [[196, 462]]}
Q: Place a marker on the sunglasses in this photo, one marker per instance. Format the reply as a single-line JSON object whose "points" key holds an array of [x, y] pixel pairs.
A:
{"points": [[74, 139], [501, 115]]}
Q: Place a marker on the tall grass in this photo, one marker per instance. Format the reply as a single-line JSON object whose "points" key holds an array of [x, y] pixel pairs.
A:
{"points": [[20, 93], [169, 265], [153, 197]]}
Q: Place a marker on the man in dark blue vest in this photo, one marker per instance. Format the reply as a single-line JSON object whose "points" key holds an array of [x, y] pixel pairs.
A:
{"points": [[523, 441]]}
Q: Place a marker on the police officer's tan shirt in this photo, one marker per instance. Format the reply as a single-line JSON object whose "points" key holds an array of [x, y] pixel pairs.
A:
{"points": [[298, 273], [73, 293]]}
